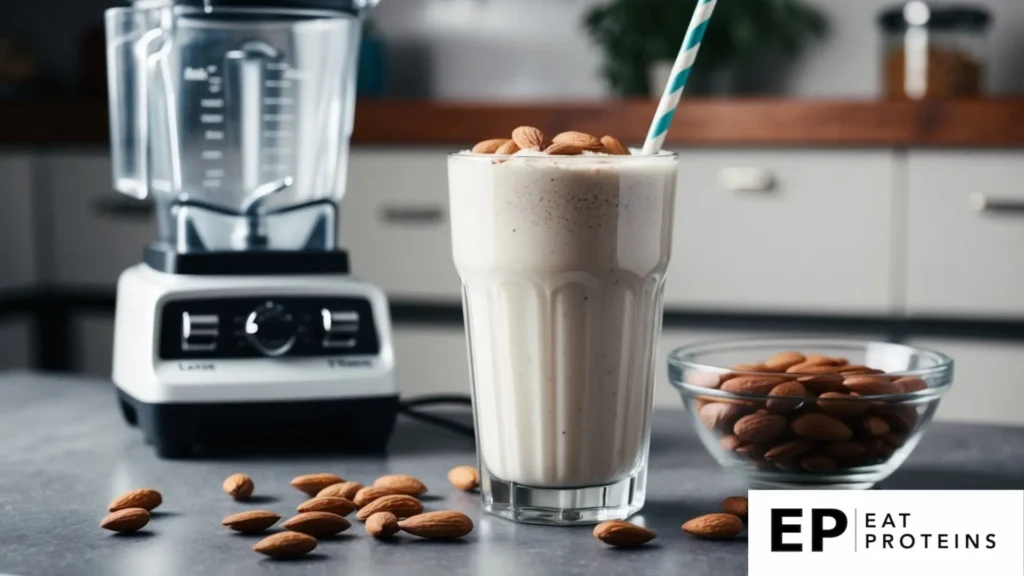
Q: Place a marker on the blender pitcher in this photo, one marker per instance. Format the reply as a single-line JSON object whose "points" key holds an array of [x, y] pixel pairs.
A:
{"points": [[235, 116]]}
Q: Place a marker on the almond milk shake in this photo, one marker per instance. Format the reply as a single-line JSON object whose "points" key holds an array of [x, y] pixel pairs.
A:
{"points": [[562, 261]]}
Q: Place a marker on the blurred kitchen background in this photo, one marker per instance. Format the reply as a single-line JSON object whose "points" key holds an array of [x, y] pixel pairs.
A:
{"points": [[849, 168]]}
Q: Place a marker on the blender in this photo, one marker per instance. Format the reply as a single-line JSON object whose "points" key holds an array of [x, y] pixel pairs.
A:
{"points": [[242, 326]]}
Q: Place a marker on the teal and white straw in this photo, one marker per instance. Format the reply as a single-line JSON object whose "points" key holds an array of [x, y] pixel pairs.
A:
{"points": [[680, 74]]}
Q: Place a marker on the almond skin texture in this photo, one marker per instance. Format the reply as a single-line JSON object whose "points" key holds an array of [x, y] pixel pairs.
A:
{"points": [[145, 498], [382, 525], [841, 405], [401, 505], [489, 146], [401, 484], [829, 379], [875, 426], [507, 149], [757, 385], [563, 149], [730, 442], [622, 534], [869, 385], [719, 526], [333, 504], [317, 524], [780, 404], [238, 486], [251, 522], [464, 478], [611, 145], [528, 137], [853, 369], [735, 505], [751, 451], [820, 427], [719, 416], [789, 450], [312, 484], [783, 360], [760, 427], [286, 545], [443, 525], [366, 495], [580, 140], [911, 384], [822, 359], [343, 490], [125, 520]]}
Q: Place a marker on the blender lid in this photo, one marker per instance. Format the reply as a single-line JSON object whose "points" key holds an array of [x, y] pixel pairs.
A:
{"points": [[352, 6]]}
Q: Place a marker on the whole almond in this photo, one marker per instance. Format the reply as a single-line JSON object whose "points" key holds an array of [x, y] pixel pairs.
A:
{"points": [[901, 418], [721, 416], [730, 442], [846, 450], [818, 464], [823, 359], [145, 498], [875, 426], [382, 525], [852, 369], [779, 402], [910, 384], [622, 534], [735, 505], [563, 149], [251, 521], [366, 495], [611, 145], [814, 426], [781, 361], [580, 140], [789, 450], [333, 504], [442, 525], [238, 486], [718, 526], [464, 478], [312, 484], [870, 385], [125, 520], [703, 379], [528, 137], [841, 405], [317, 524], [757, 385], [343, 490], [401, 505], [489, 146], [401, 484], [760, 427], [507, 149], [828, 379], [286, 544]]}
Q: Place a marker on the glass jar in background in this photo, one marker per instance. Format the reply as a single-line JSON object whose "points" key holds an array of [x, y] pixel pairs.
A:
{"points": [[934, 50]]}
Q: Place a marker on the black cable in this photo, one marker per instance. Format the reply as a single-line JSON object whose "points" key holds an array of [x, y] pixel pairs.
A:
{"points": [[457, 399], [447, 424]]}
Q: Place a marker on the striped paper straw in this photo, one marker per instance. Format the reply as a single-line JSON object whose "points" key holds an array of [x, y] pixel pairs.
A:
{"points": [[680, 73]]}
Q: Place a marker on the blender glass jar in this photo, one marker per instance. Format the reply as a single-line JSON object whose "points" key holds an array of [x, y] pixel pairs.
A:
{"points": [[235, 117], [934, 50]]}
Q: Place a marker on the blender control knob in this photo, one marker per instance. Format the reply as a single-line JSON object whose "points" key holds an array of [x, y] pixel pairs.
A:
{"points": [[270, 329], [199, 332]]}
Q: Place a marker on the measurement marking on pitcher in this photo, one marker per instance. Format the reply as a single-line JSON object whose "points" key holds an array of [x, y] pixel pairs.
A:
{"points": [[213, 154], [278, 133], [278, 117], [211, 118], [277, 83], [211, 183], [279, 101], [214, 134], [215, 173], [211, 103]]}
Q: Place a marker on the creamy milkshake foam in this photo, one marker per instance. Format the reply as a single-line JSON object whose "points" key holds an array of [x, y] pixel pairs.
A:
{"points": [[562, 261]]}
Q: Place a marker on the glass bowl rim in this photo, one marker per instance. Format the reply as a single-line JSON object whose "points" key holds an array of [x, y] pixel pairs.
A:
{"points": [[677, 358]]}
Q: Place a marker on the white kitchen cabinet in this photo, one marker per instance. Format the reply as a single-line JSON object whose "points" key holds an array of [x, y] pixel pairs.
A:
{"points": [[96, 233], [18, 250], [960, 260], [15, 344], [784, 230], [394, 222], [988, 380]]}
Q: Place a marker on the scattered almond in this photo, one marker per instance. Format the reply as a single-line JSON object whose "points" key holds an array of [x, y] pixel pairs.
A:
{"points": [[312, 484], [145, 498], [366, 495], [382, 525], [401, 505], [333, 504], [760, 427], [735, 505], [507, 149], [622, 534], [343, 490], [401, 484], [443, 525], [489, 146], [125, 520], [317, 524], [611, 145], [580, 140], [286, 545], [251, 521], [528, 138], [563, 149], [238, 486], [464, 478], [718, 526], [813, 426]]}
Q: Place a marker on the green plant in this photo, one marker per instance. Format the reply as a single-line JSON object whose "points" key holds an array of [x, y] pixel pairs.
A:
{"points": [[633, 34]]}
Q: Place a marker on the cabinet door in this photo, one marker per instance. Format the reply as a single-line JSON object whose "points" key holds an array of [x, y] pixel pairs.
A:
{"points": [[799, 230], [394, 223], [96, 233], [987, 381], [965, 258], [17, 221]]}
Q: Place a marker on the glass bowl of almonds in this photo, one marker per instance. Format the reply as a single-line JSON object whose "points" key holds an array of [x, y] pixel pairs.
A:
{"points": [[810, 413]]}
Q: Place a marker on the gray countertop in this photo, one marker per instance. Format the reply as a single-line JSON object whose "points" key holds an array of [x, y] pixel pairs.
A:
{"points": [[65, 453]]}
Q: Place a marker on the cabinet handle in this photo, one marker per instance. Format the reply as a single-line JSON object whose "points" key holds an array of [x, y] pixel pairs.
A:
{"points": [[983, 203], [746, 179], [417, 215], [116, 208]]}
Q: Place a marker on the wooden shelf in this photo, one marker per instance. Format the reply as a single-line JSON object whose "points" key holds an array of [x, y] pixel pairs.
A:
{"points": [[740, 122]]}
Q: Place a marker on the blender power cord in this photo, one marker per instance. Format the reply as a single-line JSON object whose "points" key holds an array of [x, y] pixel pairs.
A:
{"points": [[409, 408]]}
